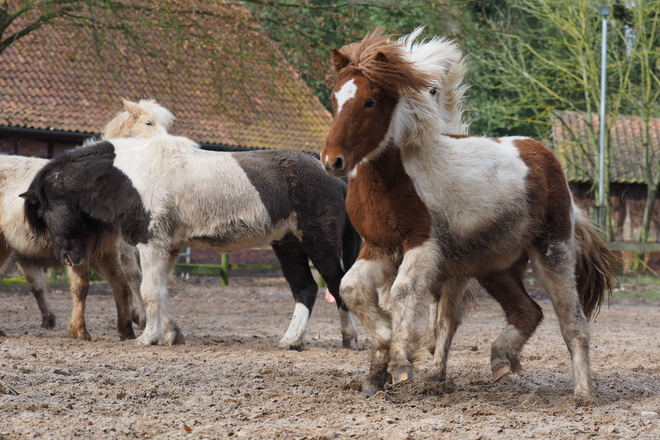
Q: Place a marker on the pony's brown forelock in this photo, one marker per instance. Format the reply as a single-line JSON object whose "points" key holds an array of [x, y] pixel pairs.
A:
{"points": [[382, 61]]}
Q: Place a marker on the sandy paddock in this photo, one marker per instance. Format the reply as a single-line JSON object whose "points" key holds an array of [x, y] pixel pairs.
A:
{"points": [[231, 379]]}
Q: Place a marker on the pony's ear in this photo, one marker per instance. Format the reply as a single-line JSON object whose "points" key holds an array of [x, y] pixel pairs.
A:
{"points": [[132, 108], [339, 60], [30, 196], [381, 57]]}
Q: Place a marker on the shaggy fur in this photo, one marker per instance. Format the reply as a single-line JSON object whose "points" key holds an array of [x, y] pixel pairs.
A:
{"points": [[493, 206], [168, 194], [33, 252]]}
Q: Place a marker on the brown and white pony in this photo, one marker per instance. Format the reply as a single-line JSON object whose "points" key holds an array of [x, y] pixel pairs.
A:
{"points": [[33, 254], [436, 210]]}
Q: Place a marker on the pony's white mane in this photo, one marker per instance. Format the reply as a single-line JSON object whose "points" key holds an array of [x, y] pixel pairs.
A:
{"points": [[420, 115], [444, 60], [124, 120]]}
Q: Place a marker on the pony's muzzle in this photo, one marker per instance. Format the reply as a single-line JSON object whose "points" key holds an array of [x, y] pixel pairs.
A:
{"points": [[336, 168]]}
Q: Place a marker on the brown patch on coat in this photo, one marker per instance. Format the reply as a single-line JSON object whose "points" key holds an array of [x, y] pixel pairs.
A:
{"points": [[384, 206], [549, 199], [551, 207]]}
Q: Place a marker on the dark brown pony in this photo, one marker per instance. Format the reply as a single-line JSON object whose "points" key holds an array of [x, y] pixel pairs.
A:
{"points": [[436, 210]]}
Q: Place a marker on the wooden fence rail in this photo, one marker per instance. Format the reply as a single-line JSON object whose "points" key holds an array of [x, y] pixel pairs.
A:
{"points": [[223, 268]]}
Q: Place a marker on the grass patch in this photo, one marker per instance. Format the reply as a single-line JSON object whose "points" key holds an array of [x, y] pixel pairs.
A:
{"points": [[637, 292]]}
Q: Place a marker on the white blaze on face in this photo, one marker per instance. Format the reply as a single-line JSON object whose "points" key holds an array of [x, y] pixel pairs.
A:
{"points": [[344, 94]]}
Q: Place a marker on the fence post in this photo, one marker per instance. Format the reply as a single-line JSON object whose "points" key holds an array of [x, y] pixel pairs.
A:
{"points": [[224, 264]]}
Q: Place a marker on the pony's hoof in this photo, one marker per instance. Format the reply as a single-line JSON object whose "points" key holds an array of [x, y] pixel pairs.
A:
{"points": [[500, 371], [349, 344], [435, 377], [127, 333], [175, 337], [585, 400], [401, 376], [369, 389], [48, 322], [584, 396], [147, 339], [287, 344], [80, 334]]}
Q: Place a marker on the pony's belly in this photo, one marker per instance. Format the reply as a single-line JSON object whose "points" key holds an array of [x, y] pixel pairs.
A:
{"points": [[229, 246], [248, 238]]}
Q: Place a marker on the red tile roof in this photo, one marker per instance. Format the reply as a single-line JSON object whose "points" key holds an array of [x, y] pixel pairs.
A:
{"points": [[576, 145], [244, 94]]}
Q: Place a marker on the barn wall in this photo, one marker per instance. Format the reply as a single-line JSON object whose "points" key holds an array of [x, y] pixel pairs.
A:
{"points": [[627, 201], [25, 146]]}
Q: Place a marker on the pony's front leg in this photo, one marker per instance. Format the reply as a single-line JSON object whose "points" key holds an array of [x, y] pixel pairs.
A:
{"points": [[160, 328], [109, 266], [416, 274], [359, 290], [79, 276]]}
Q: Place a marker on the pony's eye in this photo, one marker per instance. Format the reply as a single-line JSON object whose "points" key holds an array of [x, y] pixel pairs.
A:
{"points": [[369, 104], [149, 123], [433, 92]]}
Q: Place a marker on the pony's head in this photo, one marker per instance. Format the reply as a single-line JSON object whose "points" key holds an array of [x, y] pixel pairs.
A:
{"points": [[144, 119], [80, 198], [392, 92], [373, 75]]}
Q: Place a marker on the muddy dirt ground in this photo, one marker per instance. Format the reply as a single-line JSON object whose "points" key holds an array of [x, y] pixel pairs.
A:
{"points": [[231, 380]]}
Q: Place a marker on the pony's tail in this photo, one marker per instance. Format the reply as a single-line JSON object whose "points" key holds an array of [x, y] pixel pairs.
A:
{"points": [[594, 267]]}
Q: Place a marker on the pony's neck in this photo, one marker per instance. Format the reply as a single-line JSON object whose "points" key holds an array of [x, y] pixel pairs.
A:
{"points": [[416, 122]]}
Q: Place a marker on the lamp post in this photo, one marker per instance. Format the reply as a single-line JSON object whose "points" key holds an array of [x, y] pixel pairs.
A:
{"points": [[604, 12]]}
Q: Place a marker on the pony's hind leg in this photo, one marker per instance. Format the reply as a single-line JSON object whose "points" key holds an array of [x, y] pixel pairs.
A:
{"points": [[295, 267], [555, 268], [110, 267], [79, 277], [129, 262], [36, 281], [448, 316], [522, 313], [326, 261]]}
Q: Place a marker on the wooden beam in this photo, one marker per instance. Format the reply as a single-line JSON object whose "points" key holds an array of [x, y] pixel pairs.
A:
{"points": [[633, 246]]}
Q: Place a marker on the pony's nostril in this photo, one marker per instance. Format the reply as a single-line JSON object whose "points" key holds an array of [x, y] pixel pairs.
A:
{"points": [[338, 163]]}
